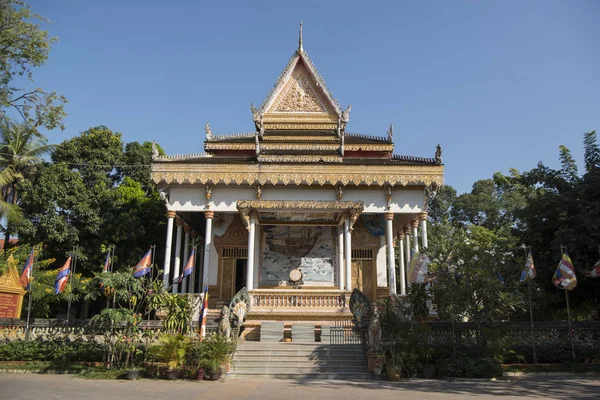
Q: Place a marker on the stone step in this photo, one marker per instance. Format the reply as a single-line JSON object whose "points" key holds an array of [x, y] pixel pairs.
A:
{"points": [[299, 370], [276, 364], [298, 357], [350, 376]]}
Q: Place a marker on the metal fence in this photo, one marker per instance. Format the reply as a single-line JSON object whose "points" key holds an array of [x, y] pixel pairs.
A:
{"points": [[345, 333]]}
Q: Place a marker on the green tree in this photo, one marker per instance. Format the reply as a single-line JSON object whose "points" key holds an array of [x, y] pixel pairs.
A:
{"points": [[87, 199], [21, 149], [24, 46]]}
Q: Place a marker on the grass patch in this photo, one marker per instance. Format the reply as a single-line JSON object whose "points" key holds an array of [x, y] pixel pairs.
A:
{"points": [[567, 367], [82, 370]]}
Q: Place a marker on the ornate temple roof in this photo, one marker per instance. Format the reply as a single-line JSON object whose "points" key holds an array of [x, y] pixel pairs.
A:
{"points": [[299, 125]]}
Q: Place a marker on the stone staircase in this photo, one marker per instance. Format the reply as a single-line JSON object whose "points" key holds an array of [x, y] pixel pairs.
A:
{"points": [[299, 361]]}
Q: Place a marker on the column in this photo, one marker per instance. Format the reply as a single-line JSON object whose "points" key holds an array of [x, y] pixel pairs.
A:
{"points": [[340, 230], [179, 223], [415, 224], [401, 263], [407, 247], [348, 248], [186, 254], [192, 284], [407, 236], [423, 218], [167, 263], [250, 259], [208, 215], [389, 217]]}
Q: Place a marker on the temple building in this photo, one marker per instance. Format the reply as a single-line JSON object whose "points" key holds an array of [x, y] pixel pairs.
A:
{"points": [[300, 210]]}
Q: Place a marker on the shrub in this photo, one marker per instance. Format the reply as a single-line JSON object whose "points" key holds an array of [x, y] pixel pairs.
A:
{"points": [[51, 351], [461, 367]]}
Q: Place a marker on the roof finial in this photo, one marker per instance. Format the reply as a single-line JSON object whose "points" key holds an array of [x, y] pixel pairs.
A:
{"points": [[300, 49]]}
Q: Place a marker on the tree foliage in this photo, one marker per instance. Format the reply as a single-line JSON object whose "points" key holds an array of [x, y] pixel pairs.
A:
{"points": [[24, 46], [88, 197]]}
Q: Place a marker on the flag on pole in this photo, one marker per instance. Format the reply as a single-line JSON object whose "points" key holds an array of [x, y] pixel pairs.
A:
{"points": [[26, 273], [594, 272], [418, 271], [528, 272], [63, 277], [143, 267], [564, 276], [204, 313], [107, 263], [189, 267]]}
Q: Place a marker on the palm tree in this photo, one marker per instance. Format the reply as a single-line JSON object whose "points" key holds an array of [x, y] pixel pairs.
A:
{"points": [[21, 147]]}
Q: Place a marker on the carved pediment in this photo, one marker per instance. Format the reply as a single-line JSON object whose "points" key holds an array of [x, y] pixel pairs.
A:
{"points": [[235, 235], [299, 95]]}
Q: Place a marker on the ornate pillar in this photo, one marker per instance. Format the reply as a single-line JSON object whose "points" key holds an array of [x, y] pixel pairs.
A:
{"points": [[250, 259], [401, 263], [340, 230], [348, 256], [179, 222], [186, 253], [415, 224], [192, 284], [208, 215], [407, 237], [167, 263], [389, 234], [423, 218]]}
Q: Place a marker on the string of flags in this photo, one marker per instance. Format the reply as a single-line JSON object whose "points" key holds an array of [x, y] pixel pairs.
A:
{"points": [[564, 276]]}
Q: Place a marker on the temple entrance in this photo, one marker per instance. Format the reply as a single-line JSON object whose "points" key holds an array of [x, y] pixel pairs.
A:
{"points": [[240, 274], [363, 272]]}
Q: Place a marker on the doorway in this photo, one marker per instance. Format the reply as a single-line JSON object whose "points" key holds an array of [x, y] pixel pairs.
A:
{"points": [[241, 269]]}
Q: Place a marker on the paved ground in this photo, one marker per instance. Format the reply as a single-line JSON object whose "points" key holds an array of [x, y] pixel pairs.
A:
{"points": [[38, 387]]}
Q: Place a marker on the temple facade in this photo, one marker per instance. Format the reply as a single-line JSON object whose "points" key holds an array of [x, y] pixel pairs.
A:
{"points": [[300, 210]]}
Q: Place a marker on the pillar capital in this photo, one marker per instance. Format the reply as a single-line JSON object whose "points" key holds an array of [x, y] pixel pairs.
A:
{"points": [[423, 216], [389, 216], [179, 222], [194, 235], [414, 223], [171, 214], [400, 235], [407, 230], [209, 214], [187, 228]]}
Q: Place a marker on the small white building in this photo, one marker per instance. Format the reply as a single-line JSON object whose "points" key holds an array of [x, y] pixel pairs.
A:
{"points": [[299, 192]]}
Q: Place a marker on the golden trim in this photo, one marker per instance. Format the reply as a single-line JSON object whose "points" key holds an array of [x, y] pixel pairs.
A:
{"points": [[297, 174], [300, 126], [300, 146], [304, 158], [293, 138], [228, 146]]}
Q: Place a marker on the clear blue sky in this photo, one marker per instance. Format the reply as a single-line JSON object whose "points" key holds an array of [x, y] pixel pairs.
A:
{"points": [[499, 84]]}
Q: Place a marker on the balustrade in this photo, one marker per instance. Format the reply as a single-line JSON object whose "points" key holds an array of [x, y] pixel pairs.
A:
{"points": [[297, 299]]}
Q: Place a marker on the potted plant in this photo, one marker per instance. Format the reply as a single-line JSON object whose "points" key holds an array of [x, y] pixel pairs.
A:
{"points": [[171, 351], [216, 353]]}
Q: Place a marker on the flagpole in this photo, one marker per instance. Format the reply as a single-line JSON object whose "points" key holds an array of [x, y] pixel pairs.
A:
{"points": [[562, 251], [30, 296], [71, 286], [530, 308]]}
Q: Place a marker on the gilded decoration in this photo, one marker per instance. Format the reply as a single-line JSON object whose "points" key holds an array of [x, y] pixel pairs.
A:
{"points": [[294, 138], [305, 158], [302, 126], [228, 278], [363, 277], [299, 96], [11, 291], [228, 146], [298, 174], [235, 235], [361, 237]]}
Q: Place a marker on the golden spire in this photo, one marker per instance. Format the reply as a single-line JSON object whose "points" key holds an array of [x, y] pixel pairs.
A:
{"points": [[300, 49]]}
